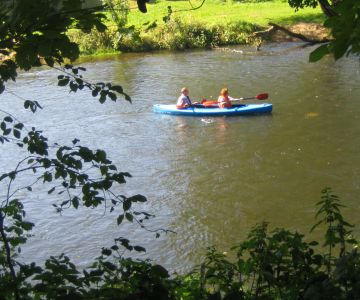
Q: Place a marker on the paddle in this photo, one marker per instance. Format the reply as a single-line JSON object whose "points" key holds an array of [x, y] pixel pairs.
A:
{"points": [[258, 97]]}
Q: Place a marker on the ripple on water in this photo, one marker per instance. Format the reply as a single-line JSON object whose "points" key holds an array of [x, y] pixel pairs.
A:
{"points": [[208, 179]]}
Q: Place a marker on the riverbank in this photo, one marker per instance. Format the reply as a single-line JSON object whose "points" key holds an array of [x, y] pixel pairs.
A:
{"points": [[215, 24]]}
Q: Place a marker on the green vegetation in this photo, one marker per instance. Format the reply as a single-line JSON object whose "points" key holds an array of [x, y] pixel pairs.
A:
{"points": [[279, 264], [216, 23], [344, 23], [215, 12]]}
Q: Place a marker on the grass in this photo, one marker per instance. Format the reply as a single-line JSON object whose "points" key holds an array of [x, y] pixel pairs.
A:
{"points": [[224, 12], [216, 23]]}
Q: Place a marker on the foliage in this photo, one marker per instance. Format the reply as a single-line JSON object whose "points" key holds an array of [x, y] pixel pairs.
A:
{"points": [[215, 24], [282, 265], [33, 34], [300, 4], [276, 264], [345, 29], [172, 35], [268, 265], [94, 41], [343, 20], [119, 10], [215, 12]]}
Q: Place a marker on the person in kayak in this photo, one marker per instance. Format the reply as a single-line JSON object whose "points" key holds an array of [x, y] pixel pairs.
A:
{"points": [[224, 99], [184, 99]]}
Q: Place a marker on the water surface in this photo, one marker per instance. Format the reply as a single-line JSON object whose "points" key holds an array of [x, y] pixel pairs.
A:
{"points": [[208, 179]]}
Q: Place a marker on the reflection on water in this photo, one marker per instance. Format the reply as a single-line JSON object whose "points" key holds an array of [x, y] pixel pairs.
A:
{"points": [[208, 179]]}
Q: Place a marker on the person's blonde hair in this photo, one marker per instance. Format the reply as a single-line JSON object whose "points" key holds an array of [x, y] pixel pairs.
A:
{"points": [[184, 89], [224, 91]]}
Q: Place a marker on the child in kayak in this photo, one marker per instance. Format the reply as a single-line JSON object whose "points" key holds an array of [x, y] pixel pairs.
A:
{"points": [[184, 99], [224, 99]]}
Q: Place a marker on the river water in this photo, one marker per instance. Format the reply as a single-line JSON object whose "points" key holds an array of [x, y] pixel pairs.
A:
{"points": [[207, 179]]}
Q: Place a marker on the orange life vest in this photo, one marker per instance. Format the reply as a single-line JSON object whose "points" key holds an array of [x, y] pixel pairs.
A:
{"points": [[225, 102]]}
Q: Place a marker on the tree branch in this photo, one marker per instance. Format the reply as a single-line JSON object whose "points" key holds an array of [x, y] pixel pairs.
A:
{"points": [[298, 35], [327, 9], [8, 254], [192, 7]]}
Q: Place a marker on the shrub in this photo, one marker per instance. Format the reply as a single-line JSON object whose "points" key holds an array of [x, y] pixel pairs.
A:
{"points": [[172, 35]]}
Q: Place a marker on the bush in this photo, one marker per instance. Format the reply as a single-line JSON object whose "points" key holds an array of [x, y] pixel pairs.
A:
{"points": [[277, 264], [172, 35], [94, 41], [178, 35]]}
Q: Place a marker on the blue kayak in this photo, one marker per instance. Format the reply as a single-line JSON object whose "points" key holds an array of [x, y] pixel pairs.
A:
{"points": [[202, 111]]}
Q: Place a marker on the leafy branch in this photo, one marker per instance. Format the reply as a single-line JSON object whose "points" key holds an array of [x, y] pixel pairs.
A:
{"points": [[76, 82]]}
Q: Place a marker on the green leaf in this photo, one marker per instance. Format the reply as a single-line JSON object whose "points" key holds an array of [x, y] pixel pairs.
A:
{"points": [[319, 53], [102, 97], [109, 265], [7, 131], [95, 92], [106, 251], [2, 87], [103, 170], [112, 96], [139, 249], [27, 225], [137, 198], [26, 57], [127, 204], [47, 177], [86, 154], [51, 190], [117, 88], [45, 48], [27, 104], [75, 202], [19, 126], [120, 219], [63, 82], [129, 217], [16, 133], [101, 155], [127, 97], [73, 86], [160, 271], [37, 104]]}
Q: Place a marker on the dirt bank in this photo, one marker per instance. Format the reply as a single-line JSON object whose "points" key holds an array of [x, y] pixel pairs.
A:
{"points": [[312, 31]]}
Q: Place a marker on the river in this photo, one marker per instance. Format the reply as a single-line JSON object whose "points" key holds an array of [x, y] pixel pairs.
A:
{"points": [[210, 180]]}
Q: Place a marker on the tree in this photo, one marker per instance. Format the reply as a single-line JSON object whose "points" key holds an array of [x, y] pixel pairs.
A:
{"points": [[32, 34], [345, 29], [343, 20], [327, 7]]}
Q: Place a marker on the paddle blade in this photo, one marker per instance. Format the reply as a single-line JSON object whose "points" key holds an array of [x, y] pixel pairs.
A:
{"points": [[262, 96]]}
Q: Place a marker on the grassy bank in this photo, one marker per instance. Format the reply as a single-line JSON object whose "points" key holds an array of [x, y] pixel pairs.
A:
{"points": [[216, 23], [216, 12]]}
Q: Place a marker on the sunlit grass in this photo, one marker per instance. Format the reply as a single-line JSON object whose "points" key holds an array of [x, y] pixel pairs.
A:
{"points": [[224, 12]]}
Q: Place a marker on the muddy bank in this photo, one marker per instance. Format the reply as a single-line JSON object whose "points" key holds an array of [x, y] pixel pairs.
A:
{"points": [[312, 31]]}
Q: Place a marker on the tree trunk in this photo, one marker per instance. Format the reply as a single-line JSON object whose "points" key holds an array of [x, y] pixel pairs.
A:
{"points": [[327, 8]]}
